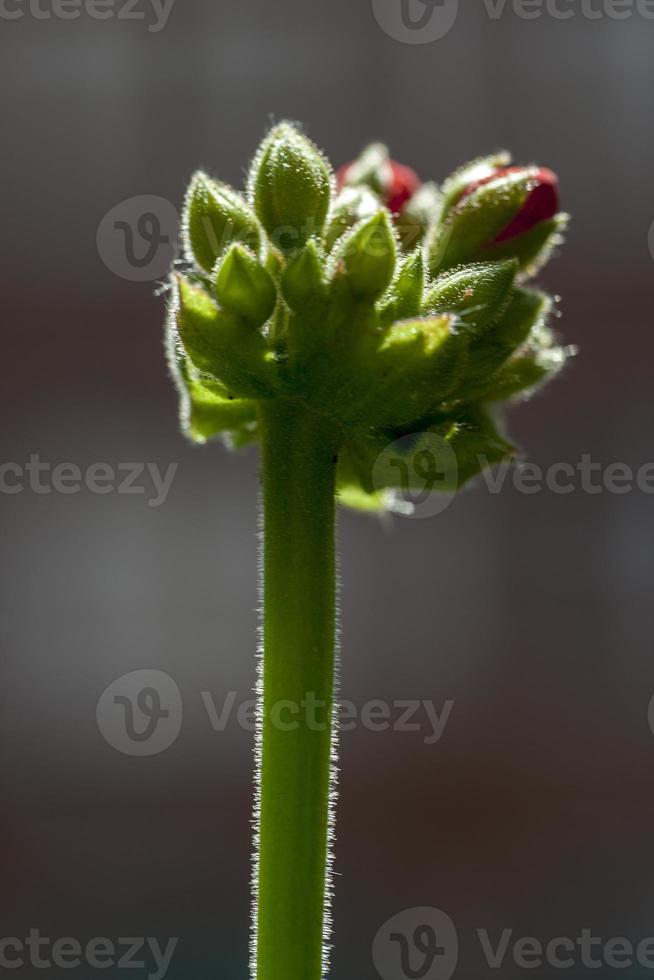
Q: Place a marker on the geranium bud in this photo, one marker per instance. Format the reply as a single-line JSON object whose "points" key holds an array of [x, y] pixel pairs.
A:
{"points": [[509, 213], [302, 279], [394, 182], [403, 185], [541, 204], [290, 187], [214, 216], [404, 296], [244, 287], [470, 173], [368, 254]]}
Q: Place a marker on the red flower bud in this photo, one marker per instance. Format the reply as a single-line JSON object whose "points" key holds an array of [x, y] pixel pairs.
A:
{"points": [[399, 183], [541, 204], [405, 182]]}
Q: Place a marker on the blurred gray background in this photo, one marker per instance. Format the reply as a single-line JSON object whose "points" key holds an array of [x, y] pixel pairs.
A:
{"points": [[532, 613]]}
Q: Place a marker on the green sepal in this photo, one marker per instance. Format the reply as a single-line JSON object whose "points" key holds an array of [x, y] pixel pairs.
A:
{"points": [[478, 293], [244, 287], [368, 255], [533, 248], [404, 297], [469, 174], [215, 215], [352, 205], [470, 228], [220, 344], [290, 187]]}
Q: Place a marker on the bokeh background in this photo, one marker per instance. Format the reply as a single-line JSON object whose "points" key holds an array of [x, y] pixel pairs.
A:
{"points": [[532, 613]]}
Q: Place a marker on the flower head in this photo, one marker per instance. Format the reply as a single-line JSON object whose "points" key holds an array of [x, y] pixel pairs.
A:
{"points": [[315, 290]]}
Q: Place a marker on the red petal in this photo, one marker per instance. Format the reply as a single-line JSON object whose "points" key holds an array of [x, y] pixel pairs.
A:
{"points": [[541, 205], [404, 183]]}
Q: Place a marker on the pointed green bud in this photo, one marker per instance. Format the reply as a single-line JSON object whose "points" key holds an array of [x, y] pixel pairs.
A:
{"points": [[352, 205], [368, 254], [214, 216], [302, 279], [478, 294], [404, 297], [220, 344], [290, 186], [244, 287]]}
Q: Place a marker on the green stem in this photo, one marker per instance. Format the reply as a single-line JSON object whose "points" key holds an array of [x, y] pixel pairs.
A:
{"points": [[299, 612]]}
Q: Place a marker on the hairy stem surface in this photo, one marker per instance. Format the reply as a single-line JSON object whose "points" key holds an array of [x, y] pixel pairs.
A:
{"points": [[299, 611]]}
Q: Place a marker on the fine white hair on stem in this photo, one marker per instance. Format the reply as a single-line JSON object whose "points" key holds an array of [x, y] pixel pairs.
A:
{"points": [[328, 921], [258, 753]]}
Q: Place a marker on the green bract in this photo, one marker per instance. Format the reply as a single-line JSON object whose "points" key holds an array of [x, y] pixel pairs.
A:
{"points": [[384, 327]]}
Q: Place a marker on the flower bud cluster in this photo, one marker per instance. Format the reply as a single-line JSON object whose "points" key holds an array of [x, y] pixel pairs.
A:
{"points": [[390, 306]]}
